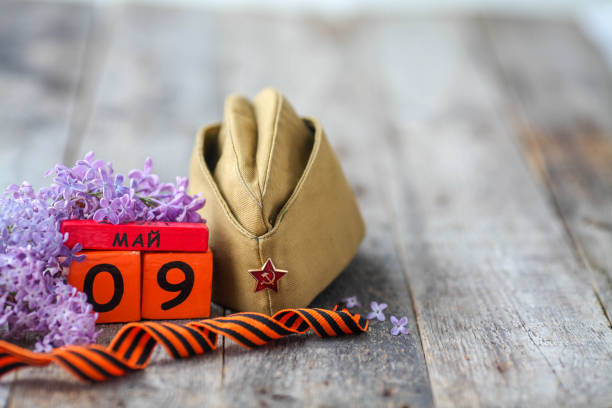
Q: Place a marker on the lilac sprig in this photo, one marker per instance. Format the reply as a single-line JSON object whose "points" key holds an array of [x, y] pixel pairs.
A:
{"points": [[36, 302], [35, 299], [91, 190], [26, 221]]}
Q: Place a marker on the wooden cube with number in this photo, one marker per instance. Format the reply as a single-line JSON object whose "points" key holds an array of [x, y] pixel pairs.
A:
{"points": [[112, 282], [176, 285]]}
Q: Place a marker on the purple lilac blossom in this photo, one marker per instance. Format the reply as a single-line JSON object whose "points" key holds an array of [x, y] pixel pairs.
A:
{"points": [[35, 298], [91, 190], [351, 301], [399, 326], [34, 301], [377, 311]]}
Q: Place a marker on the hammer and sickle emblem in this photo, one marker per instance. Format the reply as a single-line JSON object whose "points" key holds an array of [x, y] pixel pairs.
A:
{"points": [[267, 277]]}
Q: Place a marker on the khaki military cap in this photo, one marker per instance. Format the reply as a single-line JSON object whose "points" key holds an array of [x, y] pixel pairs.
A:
{"points": [[283, 220]]}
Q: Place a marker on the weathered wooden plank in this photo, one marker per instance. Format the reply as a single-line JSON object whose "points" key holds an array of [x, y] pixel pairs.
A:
{"points": [[506, 313], [157, 86], [165, 382], [307, 60], [562, 104], [40, 53], [41, 46], [154, 90]]}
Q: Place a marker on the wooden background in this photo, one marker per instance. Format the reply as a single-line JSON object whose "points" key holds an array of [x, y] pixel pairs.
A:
{"points": [[480, 150]]}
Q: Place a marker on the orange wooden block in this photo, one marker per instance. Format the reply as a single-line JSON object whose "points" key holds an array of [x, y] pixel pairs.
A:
{"points": [[112, 281], [176, 285]]}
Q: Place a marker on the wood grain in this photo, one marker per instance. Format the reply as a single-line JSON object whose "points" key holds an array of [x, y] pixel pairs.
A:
{"points": [[143, 105], [156, 86], [479, 150], [506, 313], [166, 382], [41, 47], [562, 108], [376, 369]]}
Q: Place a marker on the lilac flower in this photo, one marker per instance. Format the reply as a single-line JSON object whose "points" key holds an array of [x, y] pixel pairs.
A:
{"points": [[144, 179], [377, 311], [351, 301], [70, 255], [35, 298], [91, 190], [399, 326], [36, 302]]}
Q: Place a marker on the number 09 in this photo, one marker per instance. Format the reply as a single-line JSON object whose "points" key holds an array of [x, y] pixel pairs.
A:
{"points": [[184, 287]]}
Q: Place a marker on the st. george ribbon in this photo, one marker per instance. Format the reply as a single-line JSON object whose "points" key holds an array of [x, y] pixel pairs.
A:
{"points": [[132, 347]]}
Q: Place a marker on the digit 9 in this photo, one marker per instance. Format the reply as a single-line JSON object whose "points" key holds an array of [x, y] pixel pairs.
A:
{"points": [[176, 285], [184, 287]]}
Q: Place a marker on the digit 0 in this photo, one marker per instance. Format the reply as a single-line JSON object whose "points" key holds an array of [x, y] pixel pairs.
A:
{"points": [[88, 286], [183, 287]]}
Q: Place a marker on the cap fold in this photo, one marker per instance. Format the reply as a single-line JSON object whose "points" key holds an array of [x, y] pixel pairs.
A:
{"points": [[275, 190]]}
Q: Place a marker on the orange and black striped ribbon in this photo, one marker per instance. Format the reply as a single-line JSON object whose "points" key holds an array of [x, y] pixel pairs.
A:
{"points": [[132, 346]]}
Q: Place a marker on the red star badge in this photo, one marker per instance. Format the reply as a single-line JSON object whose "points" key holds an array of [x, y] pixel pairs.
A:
{"points": [[267, 276]]}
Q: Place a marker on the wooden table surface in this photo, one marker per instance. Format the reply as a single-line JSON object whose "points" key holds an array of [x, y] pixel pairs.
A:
{"points": [[480, 150]]}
